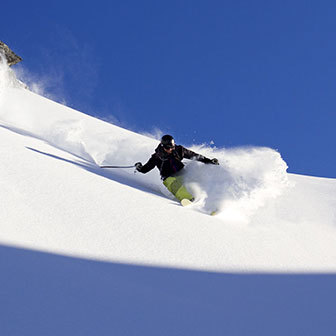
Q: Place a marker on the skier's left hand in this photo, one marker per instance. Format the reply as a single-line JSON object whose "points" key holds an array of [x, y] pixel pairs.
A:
{"points": [[138, 166], [215, 162]]}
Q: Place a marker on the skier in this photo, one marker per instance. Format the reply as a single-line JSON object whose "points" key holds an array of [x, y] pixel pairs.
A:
{"points": [[168, 159]]}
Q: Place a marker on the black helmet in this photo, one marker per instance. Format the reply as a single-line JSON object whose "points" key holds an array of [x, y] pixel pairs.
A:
{"points": [[167, 141]]}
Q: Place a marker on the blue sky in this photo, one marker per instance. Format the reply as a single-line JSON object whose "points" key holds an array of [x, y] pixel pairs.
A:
{"points": [[234, 72]]}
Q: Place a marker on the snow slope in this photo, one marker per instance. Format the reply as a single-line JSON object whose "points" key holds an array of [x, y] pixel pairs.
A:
{"points": [[56, 199]]}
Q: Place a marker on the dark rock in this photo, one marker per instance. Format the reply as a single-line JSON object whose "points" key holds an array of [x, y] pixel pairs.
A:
{"points": [[10, 56]]}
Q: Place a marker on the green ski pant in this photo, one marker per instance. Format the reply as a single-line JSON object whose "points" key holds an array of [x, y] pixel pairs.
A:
{"points": [[175, 185]]}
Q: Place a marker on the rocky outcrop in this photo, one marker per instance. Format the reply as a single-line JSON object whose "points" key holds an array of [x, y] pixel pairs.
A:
{"points": [[10, 56]]}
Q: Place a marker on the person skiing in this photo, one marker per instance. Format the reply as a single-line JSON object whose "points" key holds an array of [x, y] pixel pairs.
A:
{"points": [[168, 159]]}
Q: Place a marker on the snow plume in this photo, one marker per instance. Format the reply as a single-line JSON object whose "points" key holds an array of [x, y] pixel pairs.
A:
{"points": [[155, 134], [7, 80], [243, 182], [7, 76], [49, 86], [22, 78], [245, 179]]}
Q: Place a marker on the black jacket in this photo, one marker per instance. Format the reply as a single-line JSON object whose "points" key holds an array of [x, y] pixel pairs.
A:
{"points": [[171, 163]]}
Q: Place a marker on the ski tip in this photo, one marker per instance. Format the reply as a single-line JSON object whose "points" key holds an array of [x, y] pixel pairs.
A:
{"points": [[185, 202], [213, 213]]}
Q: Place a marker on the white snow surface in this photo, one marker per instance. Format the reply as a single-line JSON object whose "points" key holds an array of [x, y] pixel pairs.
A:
{"points": [[55, 198]]}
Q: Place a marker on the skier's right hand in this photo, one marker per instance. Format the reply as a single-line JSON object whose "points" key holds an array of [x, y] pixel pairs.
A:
{"points": [[138, 166]]}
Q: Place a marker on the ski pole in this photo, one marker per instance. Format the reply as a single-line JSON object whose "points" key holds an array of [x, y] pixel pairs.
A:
{"points": [[117, 166]]}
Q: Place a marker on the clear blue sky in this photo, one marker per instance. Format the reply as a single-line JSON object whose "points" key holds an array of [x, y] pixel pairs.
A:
{"points": [[236, 72]]}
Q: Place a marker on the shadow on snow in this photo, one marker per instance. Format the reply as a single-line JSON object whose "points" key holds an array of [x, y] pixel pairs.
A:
{"points": [[46, 294]]}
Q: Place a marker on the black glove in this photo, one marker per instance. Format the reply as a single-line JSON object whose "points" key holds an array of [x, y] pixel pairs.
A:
{"points": [[138, 166], [215, 162]]}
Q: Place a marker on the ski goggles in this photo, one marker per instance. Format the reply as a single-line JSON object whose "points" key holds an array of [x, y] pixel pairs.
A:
{"points": [[168, 147]]}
